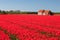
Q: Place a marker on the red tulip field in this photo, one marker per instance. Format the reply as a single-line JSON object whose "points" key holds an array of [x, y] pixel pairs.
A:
{"points": [[29, 27]]}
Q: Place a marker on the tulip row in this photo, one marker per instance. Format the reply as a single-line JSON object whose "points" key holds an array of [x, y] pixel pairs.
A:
{"points": [[33, 28]]}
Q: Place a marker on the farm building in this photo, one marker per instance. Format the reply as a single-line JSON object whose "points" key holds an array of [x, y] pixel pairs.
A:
{"points": [[45, 12]]}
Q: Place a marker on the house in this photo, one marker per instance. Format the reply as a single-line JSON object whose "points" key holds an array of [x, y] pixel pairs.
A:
{"points": [[45, 12], [40, 12]]}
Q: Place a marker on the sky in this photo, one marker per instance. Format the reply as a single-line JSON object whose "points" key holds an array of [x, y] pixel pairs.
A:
{"points": [[30, 5]]}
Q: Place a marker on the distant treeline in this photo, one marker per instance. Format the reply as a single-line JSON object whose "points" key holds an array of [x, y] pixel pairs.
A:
{"points": [[16, 12]]}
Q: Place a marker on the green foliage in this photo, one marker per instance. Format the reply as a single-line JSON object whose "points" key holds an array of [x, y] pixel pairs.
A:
{"points": [[11, 36], [16, 12]]}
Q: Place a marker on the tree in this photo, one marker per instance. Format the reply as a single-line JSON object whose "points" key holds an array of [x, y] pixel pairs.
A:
{"points": [[4, 12]]}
